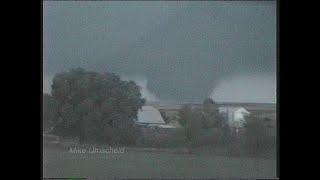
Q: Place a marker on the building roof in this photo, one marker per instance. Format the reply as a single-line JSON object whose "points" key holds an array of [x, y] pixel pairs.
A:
{"points": [[233, 110], [236, 115], [242, 110], [166, 126], [149, 115]]}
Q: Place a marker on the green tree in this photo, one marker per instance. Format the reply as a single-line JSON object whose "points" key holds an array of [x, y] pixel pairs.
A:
{"points": [[209, 106], [257, 139], [96, 107], [203, 119], [49, 111], [211, 116], [185, 113], [191, 121]]}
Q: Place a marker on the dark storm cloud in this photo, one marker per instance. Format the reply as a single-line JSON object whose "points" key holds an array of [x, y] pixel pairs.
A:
{"points": [[182, 48]]}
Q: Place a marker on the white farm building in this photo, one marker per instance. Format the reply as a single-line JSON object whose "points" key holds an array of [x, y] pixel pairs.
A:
{"points": [[151, 117], [236, 116]]}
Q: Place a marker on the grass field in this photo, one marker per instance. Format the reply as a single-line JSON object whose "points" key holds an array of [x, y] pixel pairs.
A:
{"points": [[135, 164]]}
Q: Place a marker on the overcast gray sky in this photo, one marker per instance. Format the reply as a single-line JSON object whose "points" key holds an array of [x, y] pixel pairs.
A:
{"points": [[178, 51]]}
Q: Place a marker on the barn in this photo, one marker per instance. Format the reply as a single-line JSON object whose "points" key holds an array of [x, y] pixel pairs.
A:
{"points": [[236, 117], [148, 116]]}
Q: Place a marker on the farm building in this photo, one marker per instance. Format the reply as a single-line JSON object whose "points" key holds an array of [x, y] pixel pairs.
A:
{"points": [[236, 117], [149, 116]]}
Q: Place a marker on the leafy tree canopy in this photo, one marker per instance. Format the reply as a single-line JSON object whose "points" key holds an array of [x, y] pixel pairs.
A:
{"points": [[96, 107]]}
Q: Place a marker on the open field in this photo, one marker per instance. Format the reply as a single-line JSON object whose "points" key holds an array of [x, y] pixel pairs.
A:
{"points": [[138, 164]]}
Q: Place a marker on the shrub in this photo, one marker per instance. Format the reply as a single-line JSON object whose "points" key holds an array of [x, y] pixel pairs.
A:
{"points": [[256, 136]]}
